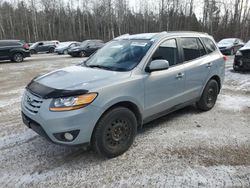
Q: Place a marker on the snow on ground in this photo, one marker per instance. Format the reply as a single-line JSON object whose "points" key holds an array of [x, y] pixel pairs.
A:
{"points": [[187, 148]]}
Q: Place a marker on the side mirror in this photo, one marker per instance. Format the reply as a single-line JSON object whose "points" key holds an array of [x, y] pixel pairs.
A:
{"points": [[157, 65]]}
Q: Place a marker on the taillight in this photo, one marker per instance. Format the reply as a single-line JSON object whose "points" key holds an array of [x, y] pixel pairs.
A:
{"points": [[26, 46], [225, 58]]}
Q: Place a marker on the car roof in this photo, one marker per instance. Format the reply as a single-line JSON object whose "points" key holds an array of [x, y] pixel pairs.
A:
{"points": [[155, 36], [12, 40]]}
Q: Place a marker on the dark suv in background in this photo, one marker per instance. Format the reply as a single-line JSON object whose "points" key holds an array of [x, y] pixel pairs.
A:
{"points": [[43, 46], [86, 48], [14, 50]]}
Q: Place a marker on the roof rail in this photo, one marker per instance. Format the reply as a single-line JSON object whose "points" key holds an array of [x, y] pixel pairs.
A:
{"points": [[187, 32]]}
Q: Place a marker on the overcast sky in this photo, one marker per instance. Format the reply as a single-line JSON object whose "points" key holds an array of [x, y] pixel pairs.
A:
{"points": [[153, 4]]}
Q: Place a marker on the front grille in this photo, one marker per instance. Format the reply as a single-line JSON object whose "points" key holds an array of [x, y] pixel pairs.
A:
{"points": [[32, 102], [246, 54]]}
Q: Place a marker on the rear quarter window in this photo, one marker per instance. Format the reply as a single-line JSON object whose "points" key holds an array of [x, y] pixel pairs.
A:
{"points": [[209, 44]]}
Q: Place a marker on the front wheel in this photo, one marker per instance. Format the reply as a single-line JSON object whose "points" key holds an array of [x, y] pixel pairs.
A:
{"points": [[115, 132], [209, 96], [51, 50], [17, 57]]}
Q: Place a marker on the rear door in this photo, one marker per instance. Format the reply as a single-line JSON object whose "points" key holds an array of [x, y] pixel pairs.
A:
{"points": [[197, 65], [40, 47], [5, 47]]}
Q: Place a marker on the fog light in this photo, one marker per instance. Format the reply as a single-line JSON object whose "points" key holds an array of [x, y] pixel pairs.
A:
{"points": [[68, 136]]}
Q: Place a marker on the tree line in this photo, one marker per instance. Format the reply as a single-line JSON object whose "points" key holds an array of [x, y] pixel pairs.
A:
{"points": [[34, 20]]}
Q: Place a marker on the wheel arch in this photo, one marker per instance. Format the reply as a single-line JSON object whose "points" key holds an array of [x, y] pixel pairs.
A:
{"points": [[127, 104], [218, 80]]}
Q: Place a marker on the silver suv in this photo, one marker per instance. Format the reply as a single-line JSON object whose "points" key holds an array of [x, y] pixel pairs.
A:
{"points": [[132, 80]]}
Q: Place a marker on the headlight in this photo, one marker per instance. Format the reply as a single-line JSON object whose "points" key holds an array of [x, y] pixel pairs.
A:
{"points": [[238, 53], [72, 103]]}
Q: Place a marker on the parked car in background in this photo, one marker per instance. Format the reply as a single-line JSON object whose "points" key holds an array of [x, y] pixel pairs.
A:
{"points": [[64, 47], [132, 80], [242, 58], [43, 46], [230, 46], [86, 48], [14, 50]]}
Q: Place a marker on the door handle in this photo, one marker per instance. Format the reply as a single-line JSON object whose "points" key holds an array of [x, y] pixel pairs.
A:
{"points": [[180, 75], [209, 65]]}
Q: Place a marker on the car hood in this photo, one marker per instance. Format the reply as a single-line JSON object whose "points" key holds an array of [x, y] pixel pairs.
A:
{"points": [[224, 45], [80, 77], [245, 48]]}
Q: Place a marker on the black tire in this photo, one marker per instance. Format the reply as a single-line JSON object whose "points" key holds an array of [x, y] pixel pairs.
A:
{"points": [[209, 96], [51, 50], [65, 52], [82, 54], [33, 51], [236, 68], [17, 57], [114, 132]]}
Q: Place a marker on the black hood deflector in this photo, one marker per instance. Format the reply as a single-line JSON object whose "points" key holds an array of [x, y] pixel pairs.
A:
{"points": [[48, 92]]}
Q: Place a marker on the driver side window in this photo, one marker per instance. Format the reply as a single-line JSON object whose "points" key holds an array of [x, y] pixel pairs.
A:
{"points": [[167, 51]]}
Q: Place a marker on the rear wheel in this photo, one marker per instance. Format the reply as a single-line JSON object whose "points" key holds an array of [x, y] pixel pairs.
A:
{"points": [[65, 52], [33, 51], [82, 54], [17, 57], [51, 50], [209, 96], [115, 132]]}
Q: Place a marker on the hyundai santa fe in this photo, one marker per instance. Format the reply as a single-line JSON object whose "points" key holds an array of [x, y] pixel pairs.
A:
{"points": [[132, 80]]}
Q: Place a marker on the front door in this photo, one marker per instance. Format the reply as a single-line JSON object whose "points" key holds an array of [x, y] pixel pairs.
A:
{"points": [[164, 89]]}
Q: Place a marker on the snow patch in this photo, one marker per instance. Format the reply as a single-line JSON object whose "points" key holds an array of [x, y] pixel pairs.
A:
{"points": [[234, 103]]}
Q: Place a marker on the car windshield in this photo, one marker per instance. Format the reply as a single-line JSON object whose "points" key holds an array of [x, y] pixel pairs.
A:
{"points": [[123, 55], [84, 43], [227, 41], [64, 44], [34, 45], [247, 44]]}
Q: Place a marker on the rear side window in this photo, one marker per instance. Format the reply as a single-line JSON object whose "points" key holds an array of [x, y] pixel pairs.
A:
{"points": [[167, 51], [10, 43], [209, 44], [191, 48]]}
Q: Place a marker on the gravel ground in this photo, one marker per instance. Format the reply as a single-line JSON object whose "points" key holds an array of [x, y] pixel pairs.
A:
{"points": [[184, 149]]}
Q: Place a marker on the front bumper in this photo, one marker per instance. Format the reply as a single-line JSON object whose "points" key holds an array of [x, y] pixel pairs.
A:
{"points": [[49, 124], [241, 63], [59, 51], [26, 53]]}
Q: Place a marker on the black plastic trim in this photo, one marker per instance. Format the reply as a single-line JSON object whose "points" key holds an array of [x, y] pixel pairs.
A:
{"points": [[46, 92]]}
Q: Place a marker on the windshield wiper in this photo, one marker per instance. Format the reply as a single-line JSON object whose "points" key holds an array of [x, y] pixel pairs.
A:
{"points": [[100, 67]]}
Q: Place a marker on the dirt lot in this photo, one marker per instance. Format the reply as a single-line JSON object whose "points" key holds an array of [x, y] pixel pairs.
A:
{"points": [[184, 149]]}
